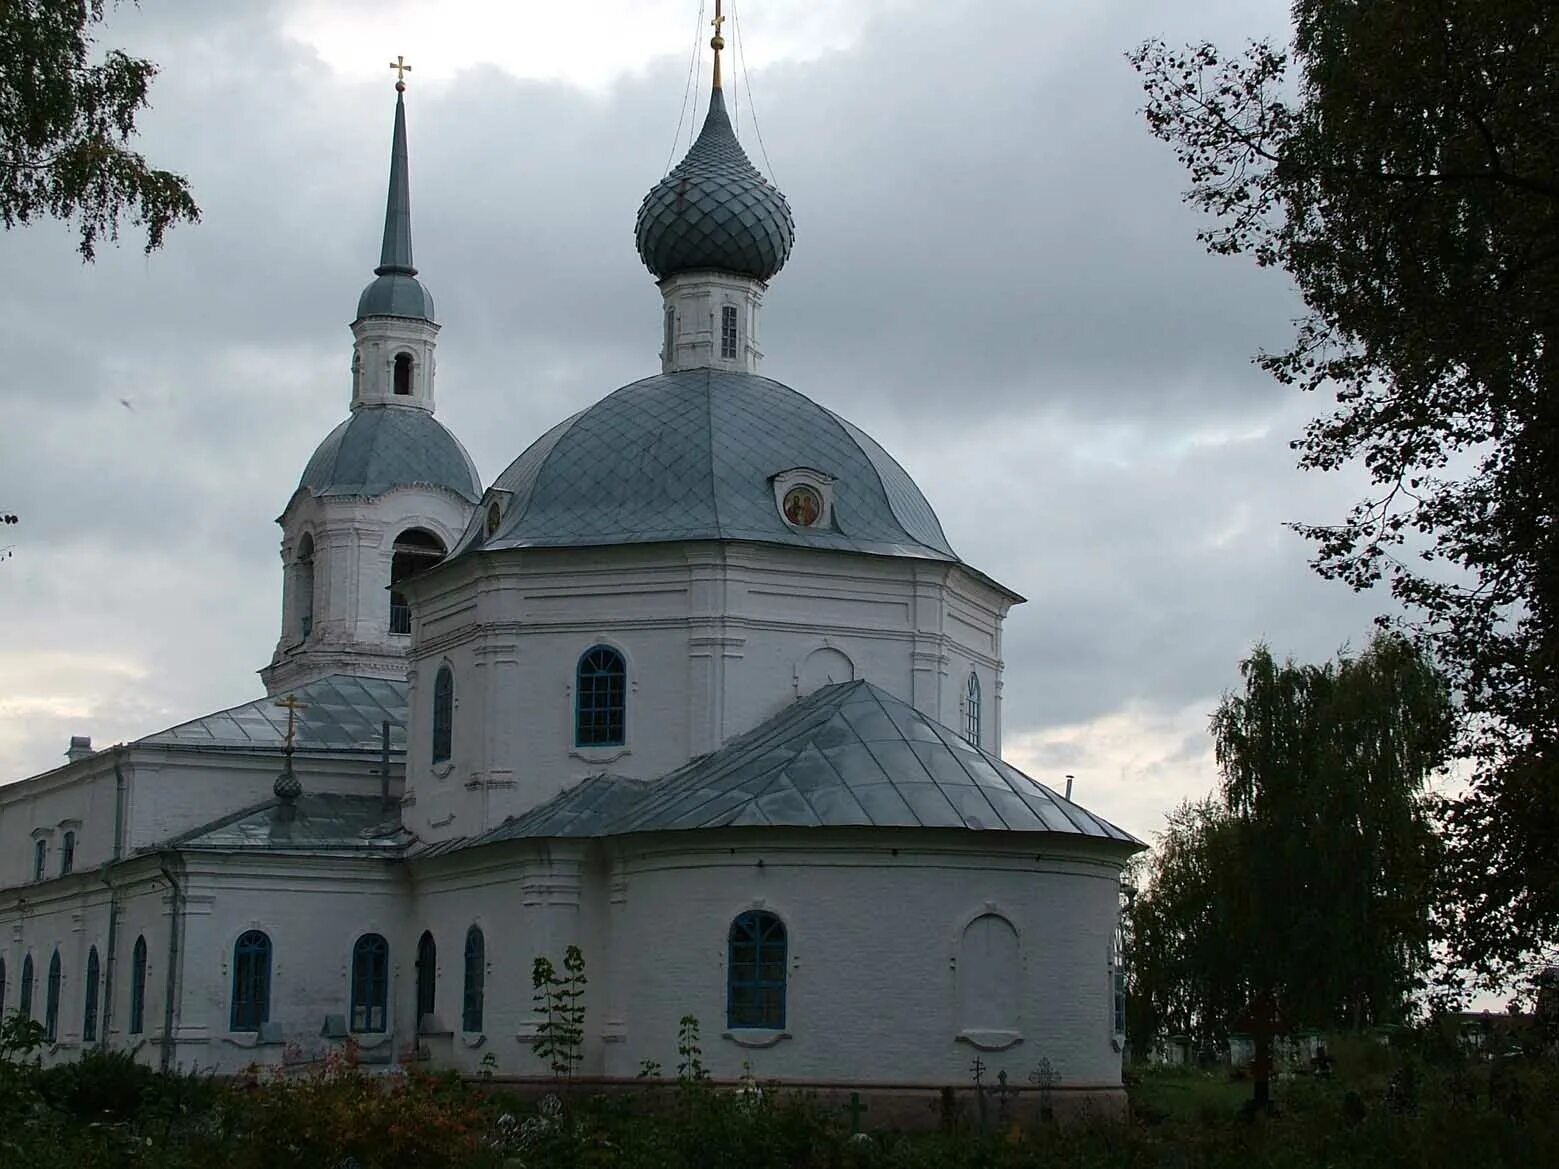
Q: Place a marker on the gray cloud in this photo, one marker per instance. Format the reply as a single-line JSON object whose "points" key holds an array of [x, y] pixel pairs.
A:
{"points": [[994, 275]]}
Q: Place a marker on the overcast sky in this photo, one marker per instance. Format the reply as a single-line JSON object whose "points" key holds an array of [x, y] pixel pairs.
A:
{"points": [[993, 274]]}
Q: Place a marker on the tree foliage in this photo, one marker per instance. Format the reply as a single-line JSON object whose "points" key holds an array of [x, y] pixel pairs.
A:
{"points": [[1306, 880], [1402, 165], [65, 124]]}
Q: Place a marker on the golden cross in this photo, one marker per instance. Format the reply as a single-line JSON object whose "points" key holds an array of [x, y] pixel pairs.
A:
{"points": [[292, 706], [401, 69], [718, 20], [717, 42]]}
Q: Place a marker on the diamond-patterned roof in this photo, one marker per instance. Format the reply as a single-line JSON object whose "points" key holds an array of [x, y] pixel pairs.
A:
{"points": [[381, 447], [690, 455], [715, 211], [854, 755], [340, 713]]}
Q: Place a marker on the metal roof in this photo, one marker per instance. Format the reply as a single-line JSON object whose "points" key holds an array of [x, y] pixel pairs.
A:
{"points": [[690, 455], [340, 713], [853, 755], [396, 292], [715, 211], [316, 822], [381, 447], [586, 809]]}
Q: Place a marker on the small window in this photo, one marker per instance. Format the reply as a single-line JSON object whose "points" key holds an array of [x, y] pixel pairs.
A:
{"points": [[728, 332], [89, 1008], [51, 1002], [40, 859], [370, 983], [251, 981], [403, 373], [357, 373], [24, 995], [67, 853], [476, 980], [443, 714], [972, 709], [494, 515], [755, 971], [427, 976], [303, 570], [600, 698], [1118, 983], [414, 550], [138, 987], [669, 341]]}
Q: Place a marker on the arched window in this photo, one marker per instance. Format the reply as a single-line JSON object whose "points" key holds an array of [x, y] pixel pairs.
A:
{"points": [[972, 709], [251, 981], [427, 976], [357, 374], [755, 971], [669, 341], [728, 331], [414, 550], [990, 975], [476, 980], [600, 698], [1118, 983], [138, 987], [304, 578], [67, 853], [89, 1009], [403, 373], [40, 858], [51, 1001], [24, 994], [370, 983], [443, 714]]}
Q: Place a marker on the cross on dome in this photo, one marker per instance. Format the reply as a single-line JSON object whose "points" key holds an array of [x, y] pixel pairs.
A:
{"points": [[401, 69]]}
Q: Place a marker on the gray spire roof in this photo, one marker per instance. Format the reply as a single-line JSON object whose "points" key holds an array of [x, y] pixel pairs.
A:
{"points": [[715, 211], [396, 292]]}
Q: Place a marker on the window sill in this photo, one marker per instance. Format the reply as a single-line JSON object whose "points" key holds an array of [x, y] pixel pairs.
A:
{"points": [[369, 1040], [473, 1039], [990, 1040], [600, 754], [754, 1036], [443, 768]]}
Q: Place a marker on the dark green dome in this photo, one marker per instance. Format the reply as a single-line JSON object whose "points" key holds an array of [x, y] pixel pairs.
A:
{"points": [[715, 211]]}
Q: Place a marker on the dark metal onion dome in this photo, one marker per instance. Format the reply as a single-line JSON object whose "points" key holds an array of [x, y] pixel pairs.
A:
{"points": [[397, 292], [715, 211]]}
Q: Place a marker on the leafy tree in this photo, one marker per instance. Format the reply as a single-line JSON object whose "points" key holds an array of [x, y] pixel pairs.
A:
{"points": [[1402, 165], [65, 124], [1300, 894]]}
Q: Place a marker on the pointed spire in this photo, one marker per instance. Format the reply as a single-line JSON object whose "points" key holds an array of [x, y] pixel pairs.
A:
{"points": [[395, 255]]}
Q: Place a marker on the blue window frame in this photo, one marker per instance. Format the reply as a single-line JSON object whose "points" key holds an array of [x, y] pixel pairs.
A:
{"points": [[67, 853], [51, 1002], [427, 976], [24, 994], [600, 698], [476, 980], [40, 858], [370, 983], [755, 971], [251, 981], [972, 709], [138, 987], [89, 1008], [443, 714]]}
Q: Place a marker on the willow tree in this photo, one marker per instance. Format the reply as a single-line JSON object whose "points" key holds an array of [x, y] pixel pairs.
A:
{"points": [[66, 120], [1301, 893], [1401, 164]]}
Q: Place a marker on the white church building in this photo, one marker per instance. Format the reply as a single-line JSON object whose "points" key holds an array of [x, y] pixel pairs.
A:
{"points": [[697, 684]]}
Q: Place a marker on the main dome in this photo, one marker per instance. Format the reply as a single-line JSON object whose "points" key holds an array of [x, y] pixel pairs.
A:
{"points": [[692, 455], [380, 448], [715, 211]]}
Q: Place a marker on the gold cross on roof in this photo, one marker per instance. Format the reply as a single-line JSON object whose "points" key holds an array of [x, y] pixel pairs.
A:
{"points": [[292, 706], [401, 69], [719, 18]]}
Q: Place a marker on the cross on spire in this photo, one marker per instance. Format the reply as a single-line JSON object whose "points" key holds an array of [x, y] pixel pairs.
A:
{"points": [[717, 42], [401, 69], [292, 706]]}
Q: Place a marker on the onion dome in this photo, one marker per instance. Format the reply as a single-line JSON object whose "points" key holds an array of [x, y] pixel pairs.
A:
{"points": [[396, 291], [715, 211]]}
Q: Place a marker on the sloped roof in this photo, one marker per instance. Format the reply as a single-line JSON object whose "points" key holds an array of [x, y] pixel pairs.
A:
{"points": [[384, 446], [691, 455], [854, 755], [316, 822], [340, 713]]}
